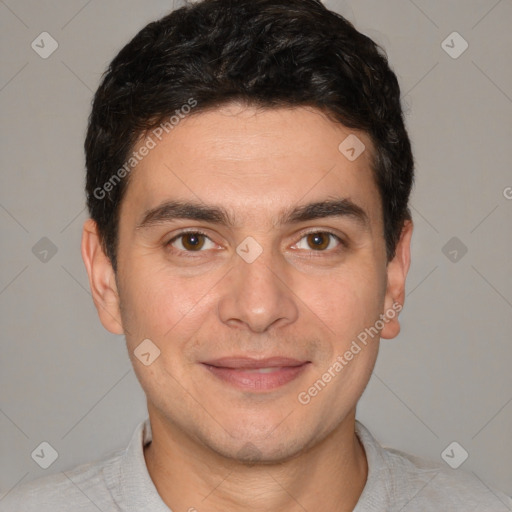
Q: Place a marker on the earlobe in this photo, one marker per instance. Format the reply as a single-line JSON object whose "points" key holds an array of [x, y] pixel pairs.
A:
{"points": [[101, 279], [397, 270]]}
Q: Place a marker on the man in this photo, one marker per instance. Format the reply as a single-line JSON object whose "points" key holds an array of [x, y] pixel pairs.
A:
{"points": [[248, 177]]}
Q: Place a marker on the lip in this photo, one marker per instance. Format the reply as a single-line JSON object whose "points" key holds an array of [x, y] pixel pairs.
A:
{"points": [[240, 363], [250, 374]]}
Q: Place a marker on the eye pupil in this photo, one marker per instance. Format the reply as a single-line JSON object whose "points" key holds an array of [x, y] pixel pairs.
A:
{"points": [[318, 240], [193, 241]]}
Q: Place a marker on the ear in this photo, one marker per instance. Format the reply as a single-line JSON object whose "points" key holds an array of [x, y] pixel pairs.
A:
{"points": [[397, 270], [101, 279]]}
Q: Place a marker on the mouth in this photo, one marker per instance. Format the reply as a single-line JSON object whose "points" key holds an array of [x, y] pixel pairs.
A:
{"points": [[256, 374]]}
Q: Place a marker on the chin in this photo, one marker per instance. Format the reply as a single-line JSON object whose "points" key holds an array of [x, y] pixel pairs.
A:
{"points": [[253, 452], [259, 446]]}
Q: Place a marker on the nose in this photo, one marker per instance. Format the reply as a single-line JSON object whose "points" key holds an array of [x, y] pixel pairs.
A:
{"points": [[256, 296]]}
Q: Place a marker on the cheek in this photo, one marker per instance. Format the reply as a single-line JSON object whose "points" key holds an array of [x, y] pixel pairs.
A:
{"points": [[157, 304], [348, 301]]}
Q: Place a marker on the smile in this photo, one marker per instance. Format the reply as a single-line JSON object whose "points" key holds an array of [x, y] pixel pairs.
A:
{"points": [[254, 375]]}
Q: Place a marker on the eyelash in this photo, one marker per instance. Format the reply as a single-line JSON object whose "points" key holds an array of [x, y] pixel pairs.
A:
{"points": [[190, 254]]}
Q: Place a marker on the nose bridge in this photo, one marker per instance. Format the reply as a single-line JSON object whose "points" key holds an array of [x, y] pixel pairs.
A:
{"points": [[260, 277], [257, 296]]}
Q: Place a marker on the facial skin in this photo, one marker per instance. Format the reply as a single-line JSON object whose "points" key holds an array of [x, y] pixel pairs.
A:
{"points": [[251, 449]]}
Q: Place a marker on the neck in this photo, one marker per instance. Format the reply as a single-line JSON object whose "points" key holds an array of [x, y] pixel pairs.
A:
{"points": [[330, 476]]}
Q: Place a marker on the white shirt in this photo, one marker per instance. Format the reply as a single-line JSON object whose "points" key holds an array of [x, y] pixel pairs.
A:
{"points": [[396, 482]]}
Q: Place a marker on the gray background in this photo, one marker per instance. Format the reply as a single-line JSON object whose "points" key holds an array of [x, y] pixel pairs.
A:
{"points": [[67, 381]]}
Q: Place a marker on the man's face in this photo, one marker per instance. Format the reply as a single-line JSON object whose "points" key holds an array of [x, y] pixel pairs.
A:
{"points": [[267, 286]]}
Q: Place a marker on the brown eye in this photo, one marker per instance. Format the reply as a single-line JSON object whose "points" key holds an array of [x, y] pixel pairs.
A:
{"points": [[318, 241], [321, 241], [190, 241]]}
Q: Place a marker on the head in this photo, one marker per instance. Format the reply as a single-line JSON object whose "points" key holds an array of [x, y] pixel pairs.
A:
{"points": [[248, 178]]}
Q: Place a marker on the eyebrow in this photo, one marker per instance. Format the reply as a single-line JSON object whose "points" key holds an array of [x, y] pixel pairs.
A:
{"points": [[173, 210]]}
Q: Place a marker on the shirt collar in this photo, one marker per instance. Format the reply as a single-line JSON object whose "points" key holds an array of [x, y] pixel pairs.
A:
{"points": [[375, 495], [131, 485], [129, 479]]}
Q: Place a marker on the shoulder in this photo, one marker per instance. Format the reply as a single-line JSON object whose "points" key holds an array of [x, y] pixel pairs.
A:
{"points": [[405, 482], [83, 488], [425, 483]]}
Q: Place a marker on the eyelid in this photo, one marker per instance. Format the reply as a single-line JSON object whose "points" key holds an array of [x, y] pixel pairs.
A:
{"points": [[195, 231], [342, 242], [323, 231], [188, 230]]}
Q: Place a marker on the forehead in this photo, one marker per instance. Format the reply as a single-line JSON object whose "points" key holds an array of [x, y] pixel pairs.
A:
{"points": [[255, 163]]}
